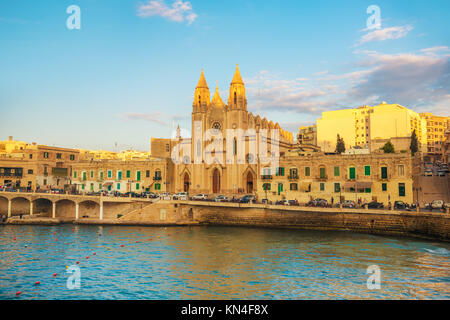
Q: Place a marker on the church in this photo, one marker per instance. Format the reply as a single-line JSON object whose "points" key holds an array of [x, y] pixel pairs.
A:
{"points": [[234, 172]]}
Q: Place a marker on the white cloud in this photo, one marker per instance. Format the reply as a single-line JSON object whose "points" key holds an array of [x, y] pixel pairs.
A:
{"points": [[420, 81], [385, 34], [179, 11]]}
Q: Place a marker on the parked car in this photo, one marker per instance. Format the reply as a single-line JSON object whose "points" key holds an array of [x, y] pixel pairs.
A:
{"points": [[165, 196], [181, 196], [293, 203], [435, 204], [283, 203], [428, 173], [398, 205], [348, 204], [247, 198], [375, 205], [150, 194], [200, 196], [441, 173], [221, 198]]}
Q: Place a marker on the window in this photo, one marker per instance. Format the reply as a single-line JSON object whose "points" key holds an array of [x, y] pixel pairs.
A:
{"points": [[322, 186], [280, 188], [138, 175], [294, 186], [128, 173], [367, 190], [367, 170], [100, 186], [157, 186], [337, 187], [280, 172], [307, 171], [352, 173], [31, 156], [30, 171], [46, 155], [72, 157], [167, 148], [74, 174], [336, 172], [58, 155], [101, 175], [235, 98], [147, 173], [137, 186], [266, 186], [234, 146], [109, 173], [384, 186], [92, 174], [92, 187], [322, 173], [401, 189], [84, 175], [118, 185], [119, 175], [401, 170], [384, 173], [82, 186], [293, 173]]}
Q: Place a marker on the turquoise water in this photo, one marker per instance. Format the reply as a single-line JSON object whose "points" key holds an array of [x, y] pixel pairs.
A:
{"points": [[217, 263]]}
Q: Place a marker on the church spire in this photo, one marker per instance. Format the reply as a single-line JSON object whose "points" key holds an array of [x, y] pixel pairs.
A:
{"points": [[217, 100], [202, 81], [237, 76]]}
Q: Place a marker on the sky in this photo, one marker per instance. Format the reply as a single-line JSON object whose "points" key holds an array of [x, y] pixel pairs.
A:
{"points": [[129, 72]]}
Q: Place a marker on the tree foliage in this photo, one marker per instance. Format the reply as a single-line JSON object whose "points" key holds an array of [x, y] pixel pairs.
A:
{"points": [[340, 145], [388, 147]]}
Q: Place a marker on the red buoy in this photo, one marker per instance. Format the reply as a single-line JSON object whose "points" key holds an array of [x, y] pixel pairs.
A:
{"points": [[18, 293], [87, 257], [137, 241], [73, 229], [37, 282], [94, 253], [54, 233], [14, 239], [78, 262], [122, 245], [55, 274], [56, 239]]}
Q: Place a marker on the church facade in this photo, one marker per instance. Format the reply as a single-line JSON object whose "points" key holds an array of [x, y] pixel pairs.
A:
{"points": [[229, 146]]}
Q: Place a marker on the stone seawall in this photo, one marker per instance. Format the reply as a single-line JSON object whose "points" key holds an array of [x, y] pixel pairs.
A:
{"points": [[382, 222]]}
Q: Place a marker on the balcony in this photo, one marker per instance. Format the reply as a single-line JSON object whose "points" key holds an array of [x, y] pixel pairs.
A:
{"points": [[293, 177], [380, 177], [322, 178], [156, 178], [347, 177], [266, 177]]}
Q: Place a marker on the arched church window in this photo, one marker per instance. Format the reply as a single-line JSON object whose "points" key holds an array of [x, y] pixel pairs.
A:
{"points": [[199, 103], [234, 146], [235, 98]]}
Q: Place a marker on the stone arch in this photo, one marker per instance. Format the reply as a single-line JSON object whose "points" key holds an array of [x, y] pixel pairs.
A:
{"points": [[186, 181], [249, 178], [43, 207], [65, 208], [20, 205], [89, 209], [3, 205]]}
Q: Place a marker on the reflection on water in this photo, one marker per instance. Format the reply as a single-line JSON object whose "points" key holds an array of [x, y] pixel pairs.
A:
{"points": [[217, 263]]}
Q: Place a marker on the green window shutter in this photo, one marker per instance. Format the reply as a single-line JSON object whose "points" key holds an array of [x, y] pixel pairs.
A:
{"points": [[138, 176], [322, 186], [384, 173], [307, 171], [337, 187], [401, 189], [84, 175], [352, 173], [368, 190], [109, 173], [322, 172], [128, 173], [92, 187], [367, 170], [100, 186], [384, 186], [282, 171], [74, 174], [336, 172], [118, 186], [109, 188], [120, 175], [276, 171], [137, 186], [92, 174], [101, 174]]}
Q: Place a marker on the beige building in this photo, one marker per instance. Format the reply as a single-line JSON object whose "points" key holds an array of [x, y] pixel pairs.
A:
{"points": [[214, 115], [436, 127], [33, 166], [154, 175], [380, 177], [360, 126]]}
